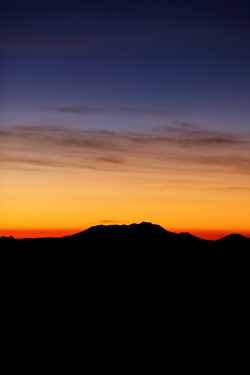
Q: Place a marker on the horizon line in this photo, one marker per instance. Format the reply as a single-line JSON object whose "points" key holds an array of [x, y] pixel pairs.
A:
{"points": [[207, 234]]}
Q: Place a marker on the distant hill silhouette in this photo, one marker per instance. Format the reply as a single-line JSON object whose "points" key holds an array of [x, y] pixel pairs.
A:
{"points": [[140, 237]]}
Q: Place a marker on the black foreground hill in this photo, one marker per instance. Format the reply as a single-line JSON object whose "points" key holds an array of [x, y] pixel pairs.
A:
{"points": [[118, 266], [114, 257]]}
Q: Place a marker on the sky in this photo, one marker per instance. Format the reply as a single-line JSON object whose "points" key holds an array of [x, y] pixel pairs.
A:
{"points": [[121, 112]]}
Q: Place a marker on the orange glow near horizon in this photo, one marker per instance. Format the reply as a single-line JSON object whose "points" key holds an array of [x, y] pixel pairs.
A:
{"points": [[39, 233], [95, 179], [35, 207]]}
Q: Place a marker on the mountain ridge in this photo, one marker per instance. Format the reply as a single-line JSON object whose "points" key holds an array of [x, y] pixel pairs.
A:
{"points": [[144, 228], [142, 250]]}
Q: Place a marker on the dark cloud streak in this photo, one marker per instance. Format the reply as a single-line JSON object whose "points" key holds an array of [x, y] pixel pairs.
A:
{"points": [[85, 110]]}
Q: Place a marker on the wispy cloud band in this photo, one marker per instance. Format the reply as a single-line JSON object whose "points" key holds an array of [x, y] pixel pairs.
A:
{"points": [[86, 110], [182, 149]]}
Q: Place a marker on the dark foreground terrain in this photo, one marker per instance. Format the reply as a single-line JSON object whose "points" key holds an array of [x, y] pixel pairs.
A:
{"points": [[139, 246], [143, 259], [131, 284]]}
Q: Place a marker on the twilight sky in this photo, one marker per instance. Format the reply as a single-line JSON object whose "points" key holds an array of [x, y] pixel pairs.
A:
{"points": [[121, 112]]}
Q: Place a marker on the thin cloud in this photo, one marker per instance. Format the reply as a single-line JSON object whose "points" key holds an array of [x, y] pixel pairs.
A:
{"points": [[190, 135], [238, 188], [85, 110], [110, 160], [44, 162], [41, 164], [203, 141], [189, 141], [110, 221], [64, 138]]}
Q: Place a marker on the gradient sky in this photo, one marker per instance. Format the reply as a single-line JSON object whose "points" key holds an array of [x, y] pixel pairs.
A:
{"points": [[121, 112]]}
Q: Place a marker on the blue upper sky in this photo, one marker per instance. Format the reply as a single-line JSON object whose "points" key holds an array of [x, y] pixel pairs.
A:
{"points": [[121, 65]]}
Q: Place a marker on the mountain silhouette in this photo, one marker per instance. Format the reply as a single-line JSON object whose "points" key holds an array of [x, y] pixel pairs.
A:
{"points": [[126, 262], [234, 238], [138, 237]]}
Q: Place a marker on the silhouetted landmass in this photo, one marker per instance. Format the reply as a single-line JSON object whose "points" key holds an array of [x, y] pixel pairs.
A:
{"points": [[115, 272], [134, 237]]}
